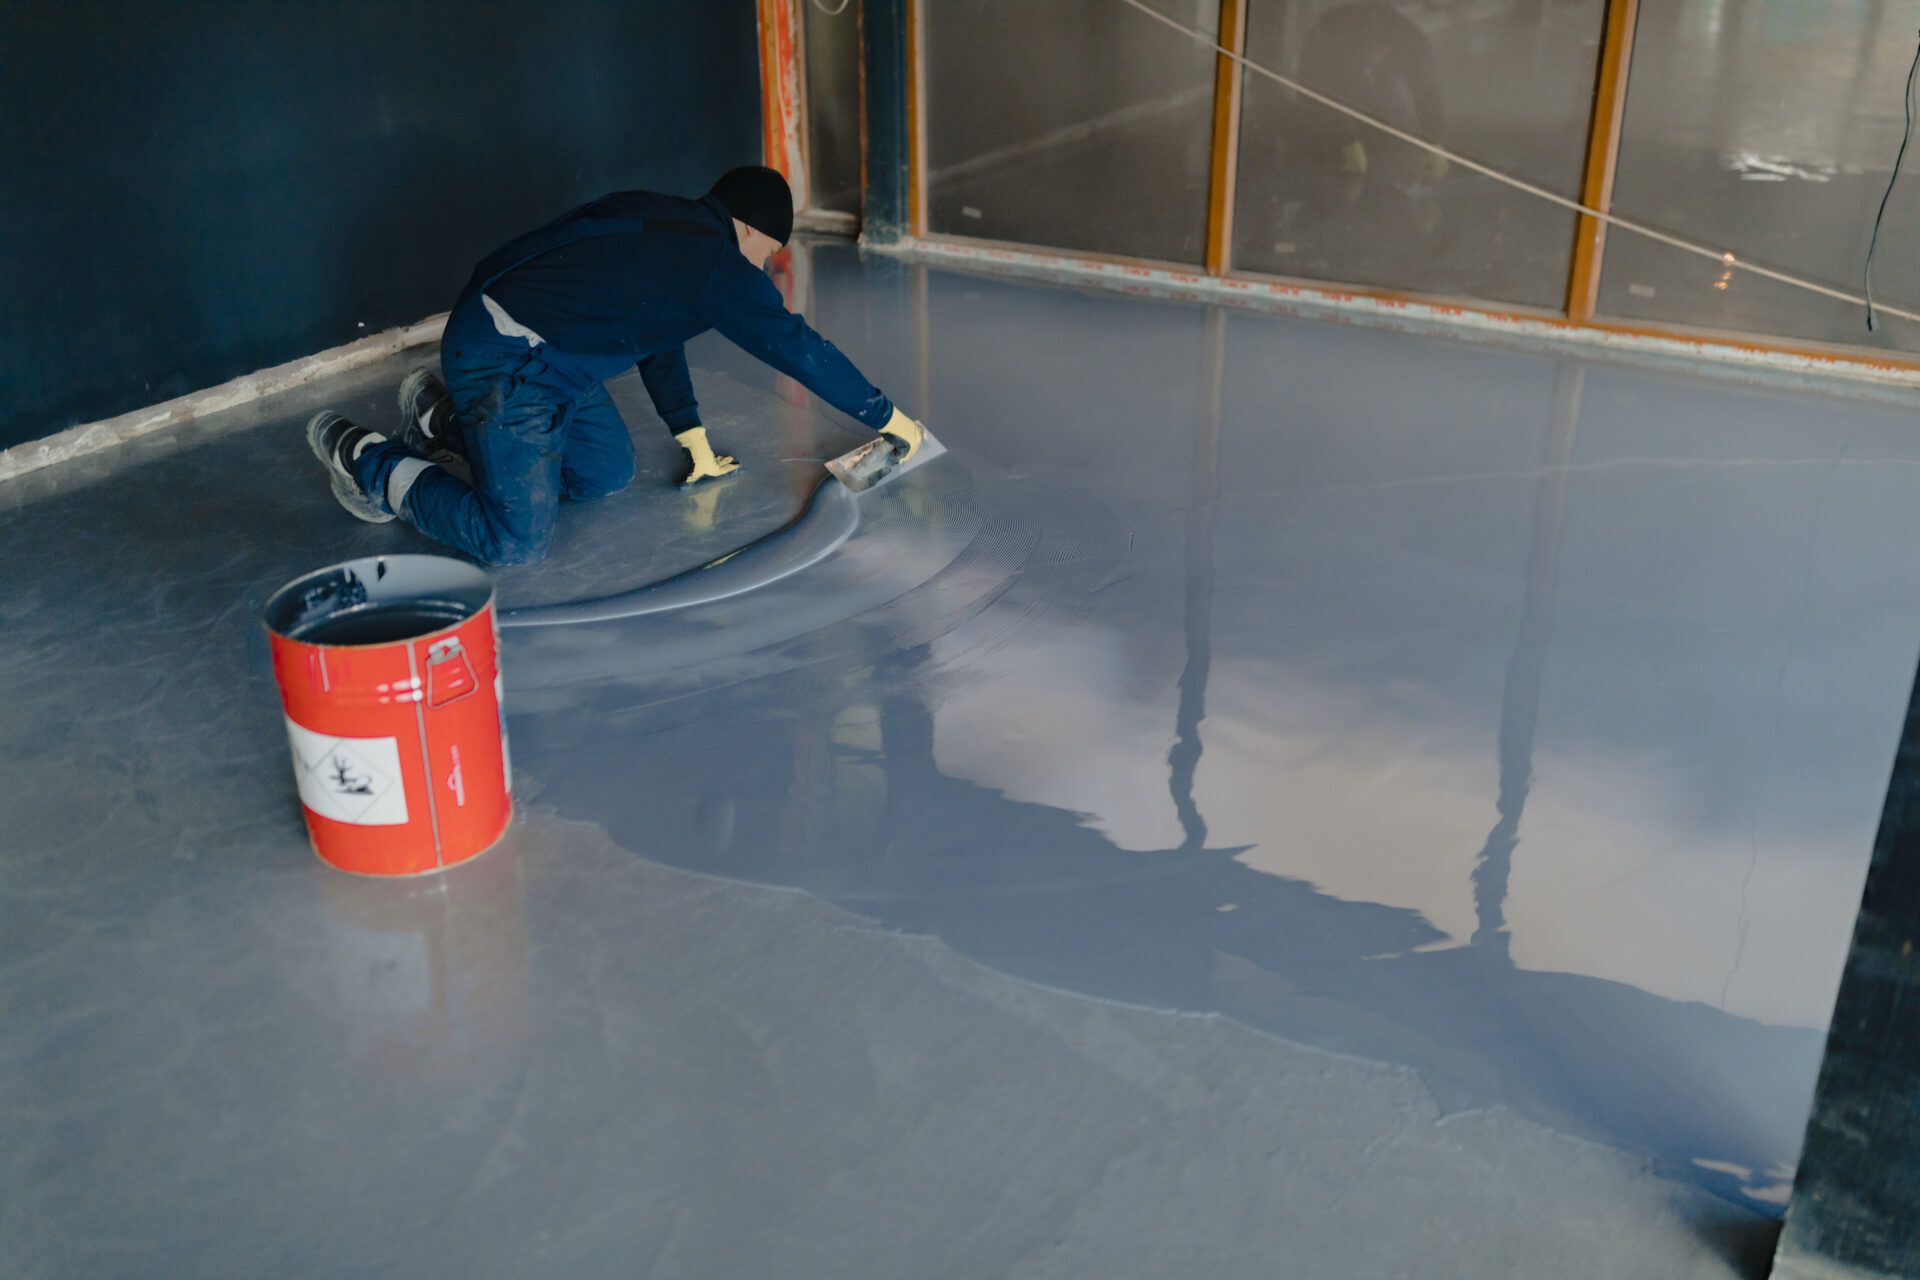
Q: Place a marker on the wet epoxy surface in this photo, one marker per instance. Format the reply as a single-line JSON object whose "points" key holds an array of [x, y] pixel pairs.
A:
{"points": [[1512, 726]]}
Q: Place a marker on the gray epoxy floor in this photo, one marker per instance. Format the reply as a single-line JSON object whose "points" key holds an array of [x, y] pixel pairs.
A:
{"points": [[1489, 744]]}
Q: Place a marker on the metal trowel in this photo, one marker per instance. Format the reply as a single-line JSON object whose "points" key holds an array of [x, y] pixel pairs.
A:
{"points": [[879, 459]]}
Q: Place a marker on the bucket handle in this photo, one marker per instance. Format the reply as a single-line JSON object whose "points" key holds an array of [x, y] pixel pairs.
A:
{"points": [[449, 675]]}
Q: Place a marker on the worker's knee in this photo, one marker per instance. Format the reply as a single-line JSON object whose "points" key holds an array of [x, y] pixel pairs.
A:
{"points": [[578, 486], [507, 540], [509, 550], [598, 487]]}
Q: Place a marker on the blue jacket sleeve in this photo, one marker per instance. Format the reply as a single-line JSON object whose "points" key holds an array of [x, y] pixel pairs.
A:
{"points": [[743, 305], [670, 387]]}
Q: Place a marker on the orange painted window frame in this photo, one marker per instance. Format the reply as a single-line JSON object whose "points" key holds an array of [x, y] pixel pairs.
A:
{"points": [[783, 95]]}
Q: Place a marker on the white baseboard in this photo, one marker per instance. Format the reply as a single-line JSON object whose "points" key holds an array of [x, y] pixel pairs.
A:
{"points": [[93, 437]]}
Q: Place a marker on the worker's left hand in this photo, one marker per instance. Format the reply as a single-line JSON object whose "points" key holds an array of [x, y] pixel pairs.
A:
{"points": [[906, 434], [705, 464]]}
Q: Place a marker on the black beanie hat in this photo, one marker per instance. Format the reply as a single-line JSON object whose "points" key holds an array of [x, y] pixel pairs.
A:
{"points": [[759, 197]]}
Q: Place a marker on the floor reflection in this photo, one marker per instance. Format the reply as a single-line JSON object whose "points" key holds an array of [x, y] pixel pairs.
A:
{"points": [[1387, 705], [1520, 700], [1184, 757], [431, 973], [839, 793]]}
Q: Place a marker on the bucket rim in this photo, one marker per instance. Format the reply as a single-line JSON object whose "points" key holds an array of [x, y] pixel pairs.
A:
{"points": [[477, 586]]}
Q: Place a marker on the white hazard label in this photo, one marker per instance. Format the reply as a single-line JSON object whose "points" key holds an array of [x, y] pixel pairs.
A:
{"points": [[353, 780]]}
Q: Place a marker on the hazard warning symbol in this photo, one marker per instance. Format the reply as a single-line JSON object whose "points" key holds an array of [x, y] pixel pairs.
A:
{"points": [[353, 780]]}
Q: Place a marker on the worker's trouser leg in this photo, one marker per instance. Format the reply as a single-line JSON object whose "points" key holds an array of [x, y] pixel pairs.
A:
{"points": [[598, 459], [532, 435]]}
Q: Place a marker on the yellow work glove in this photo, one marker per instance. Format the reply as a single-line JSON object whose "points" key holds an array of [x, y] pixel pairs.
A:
{"points": [[705, 463], [905, 433]]}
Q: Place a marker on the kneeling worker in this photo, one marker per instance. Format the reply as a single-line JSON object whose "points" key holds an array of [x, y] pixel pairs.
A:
{"points": [[543, 322]]}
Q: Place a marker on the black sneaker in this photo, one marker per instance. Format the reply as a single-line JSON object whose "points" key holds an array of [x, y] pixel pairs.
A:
{"points": [[426, 408], [333, 440]]}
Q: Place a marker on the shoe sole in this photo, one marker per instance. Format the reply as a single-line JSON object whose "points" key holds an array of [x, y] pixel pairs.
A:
{"points": [[345, 490], [411, 388]]}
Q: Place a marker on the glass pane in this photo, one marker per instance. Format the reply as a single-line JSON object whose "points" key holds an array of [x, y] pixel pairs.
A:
{"points": [[1078, 124], [1768, 131], [833, 104], [1508, 83]]}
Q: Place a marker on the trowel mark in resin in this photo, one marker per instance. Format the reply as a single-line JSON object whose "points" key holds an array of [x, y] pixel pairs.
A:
{"points": [[830, 517]]}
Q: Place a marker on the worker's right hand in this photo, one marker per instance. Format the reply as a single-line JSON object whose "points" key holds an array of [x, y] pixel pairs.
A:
{"points": [[906, 435], [704, 463]]}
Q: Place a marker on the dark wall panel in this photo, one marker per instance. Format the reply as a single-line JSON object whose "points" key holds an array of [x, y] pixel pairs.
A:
{"points": [[193, 190]]}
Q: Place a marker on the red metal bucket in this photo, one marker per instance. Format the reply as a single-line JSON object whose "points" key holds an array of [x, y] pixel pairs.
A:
{"points": [[388, 672]]}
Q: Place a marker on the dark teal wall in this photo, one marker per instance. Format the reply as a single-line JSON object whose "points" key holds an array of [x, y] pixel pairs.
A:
{"points": [[193, 190]]}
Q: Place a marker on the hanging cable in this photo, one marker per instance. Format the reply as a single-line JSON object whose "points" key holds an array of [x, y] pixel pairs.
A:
{"points": [[1724, 257], [1906, 135]]}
